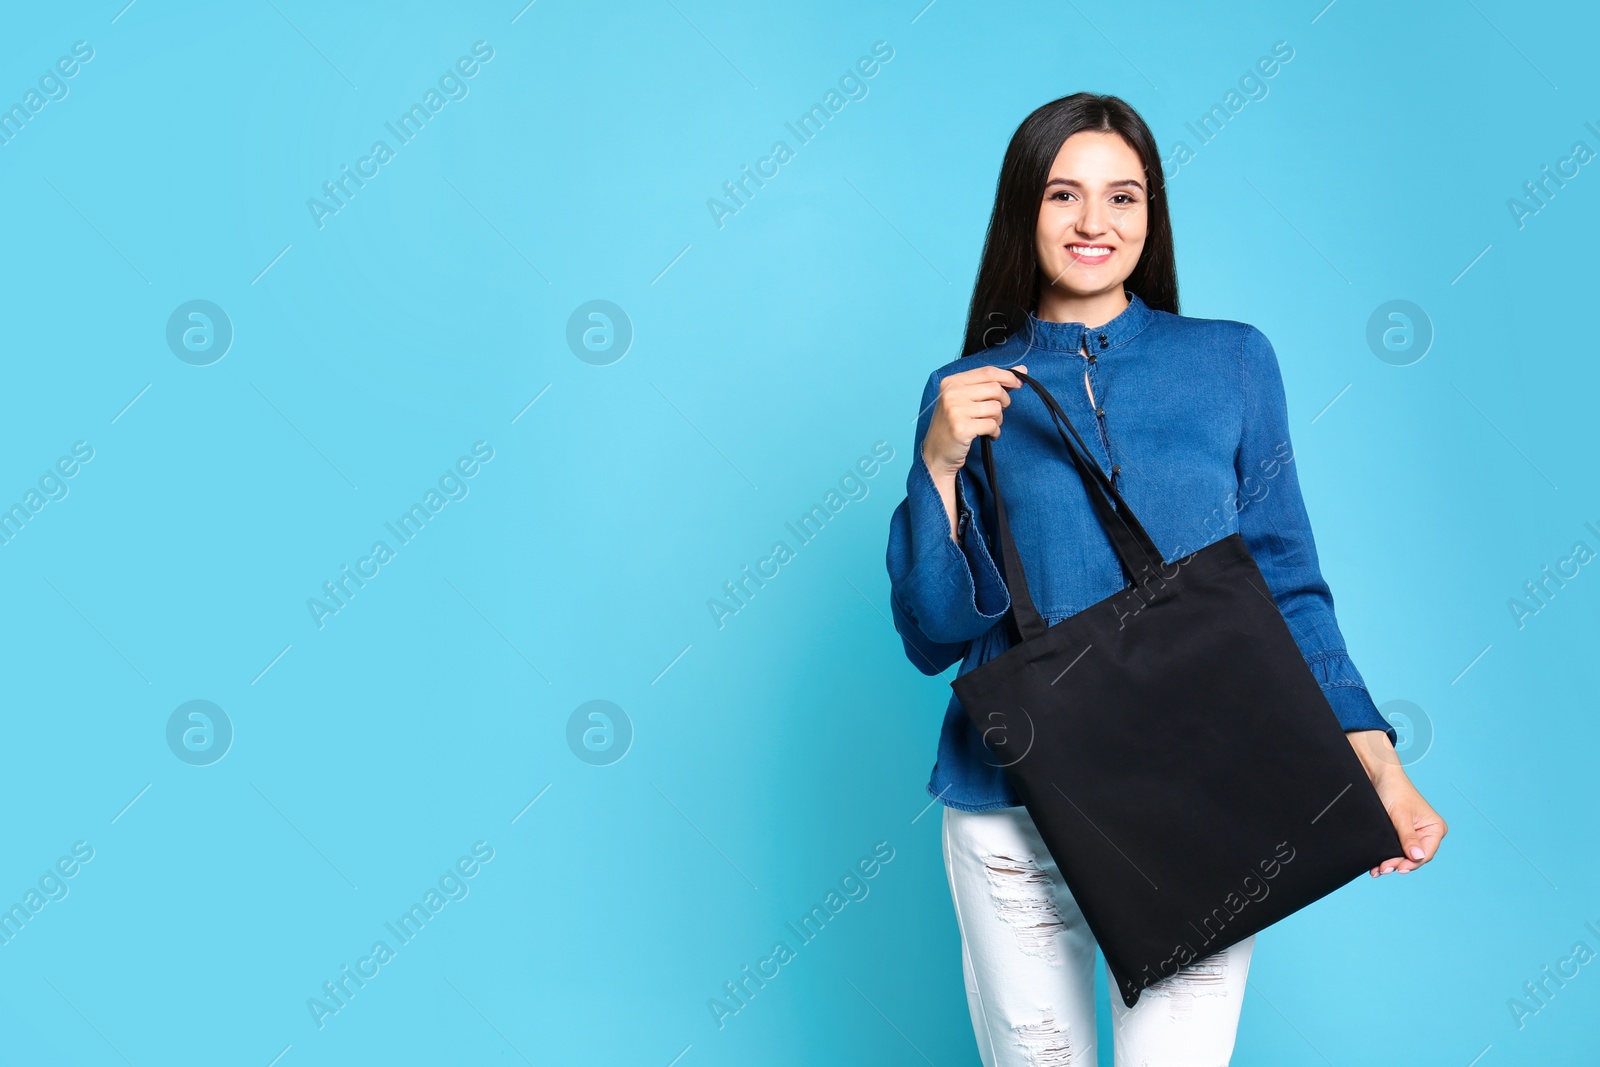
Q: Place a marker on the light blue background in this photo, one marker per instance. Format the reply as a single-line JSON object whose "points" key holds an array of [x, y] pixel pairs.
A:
{"points": [[769, 755]]}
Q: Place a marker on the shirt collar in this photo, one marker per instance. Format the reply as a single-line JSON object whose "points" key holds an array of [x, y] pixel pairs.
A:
{"points": [[1069, 336]]}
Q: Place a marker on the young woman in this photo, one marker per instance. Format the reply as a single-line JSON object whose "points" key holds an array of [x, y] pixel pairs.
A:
{"points": [[1078, 288]]}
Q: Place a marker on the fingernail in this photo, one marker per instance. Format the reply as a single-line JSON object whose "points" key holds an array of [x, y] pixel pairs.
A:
{"points": [[1405, 870], [1415, 853]]}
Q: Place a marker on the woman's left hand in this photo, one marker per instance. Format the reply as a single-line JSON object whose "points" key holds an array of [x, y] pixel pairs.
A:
{"points": [[1420, 827]]}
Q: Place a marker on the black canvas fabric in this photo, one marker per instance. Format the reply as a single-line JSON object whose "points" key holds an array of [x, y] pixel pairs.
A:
{"points": [[1181, 763]]}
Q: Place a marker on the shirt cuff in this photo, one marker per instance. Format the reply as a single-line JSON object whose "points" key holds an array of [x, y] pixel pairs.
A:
{"points": [[1348, 695], [990, 595], [953, 592]]}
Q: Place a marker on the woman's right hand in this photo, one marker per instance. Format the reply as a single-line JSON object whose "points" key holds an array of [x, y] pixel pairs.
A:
{"points": [[971, 405]]}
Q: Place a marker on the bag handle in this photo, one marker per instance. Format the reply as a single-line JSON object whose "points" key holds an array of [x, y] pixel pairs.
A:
{"points": [[1122, 519], [1135, 550]]}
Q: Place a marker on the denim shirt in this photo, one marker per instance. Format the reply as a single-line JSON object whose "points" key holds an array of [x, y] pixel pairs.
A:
{"points": [[1190, 422]]}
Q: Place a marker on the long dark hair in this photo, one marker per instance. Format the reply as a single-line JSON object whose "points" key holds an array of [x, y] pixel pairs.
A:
{"points": [[1008, 278]]}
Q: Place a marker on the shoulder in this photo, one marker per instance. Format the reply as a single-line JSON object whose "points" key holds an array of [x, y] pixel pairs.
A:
{"points": [[1234, 343], [1007, 353], [1222, 333], [1227, 339]]}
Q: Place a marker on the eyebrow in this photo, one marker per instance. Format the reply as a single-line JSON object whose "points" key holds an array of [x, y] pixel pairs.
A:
{"points": [[1124, 183]]}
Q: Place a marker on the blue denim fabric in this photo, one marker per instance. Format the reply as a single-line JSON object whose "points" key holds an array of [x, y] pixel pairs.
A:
{"points": [[1191, 424]]}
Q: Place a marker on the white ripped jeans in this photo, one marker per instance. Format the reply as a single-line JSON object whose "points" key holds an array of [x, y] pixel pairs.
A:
{"points": [[1029, 956]]}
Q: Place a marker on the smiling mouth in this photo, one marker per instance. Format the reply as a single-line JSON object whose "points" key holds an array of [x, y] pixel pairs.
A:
{"points": [[1090, 252]]}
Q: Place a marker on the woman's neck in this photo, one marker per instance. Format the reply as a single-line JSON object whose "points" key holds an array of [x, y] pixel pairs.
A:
{"points": [[1092, 311]]}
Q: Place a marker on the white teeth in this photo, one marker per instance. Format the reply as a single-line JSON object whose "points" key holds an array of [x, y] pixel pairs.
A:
{"points": [[1084, 250]]}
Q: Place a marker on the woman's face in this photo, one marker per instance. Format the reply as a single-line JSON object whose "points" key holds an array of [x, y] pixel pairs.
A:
{"points": [[1094, 216]]}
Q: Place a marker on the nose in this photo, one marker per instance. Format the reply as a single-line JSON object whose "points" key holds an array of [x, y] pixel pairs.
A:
{"points": [[1092, 221]]}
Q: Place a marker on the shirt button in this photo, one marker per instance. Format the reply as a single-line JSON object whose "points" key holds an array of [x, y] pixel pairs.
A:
{"points": [[1091, 357], [1116, 468], [1102, 340], [1100, 412]]}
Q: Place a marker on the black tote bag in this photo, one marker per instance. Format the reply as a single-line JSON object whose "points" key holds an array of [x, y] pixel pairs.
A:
{"points": [[1181, 763]]}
